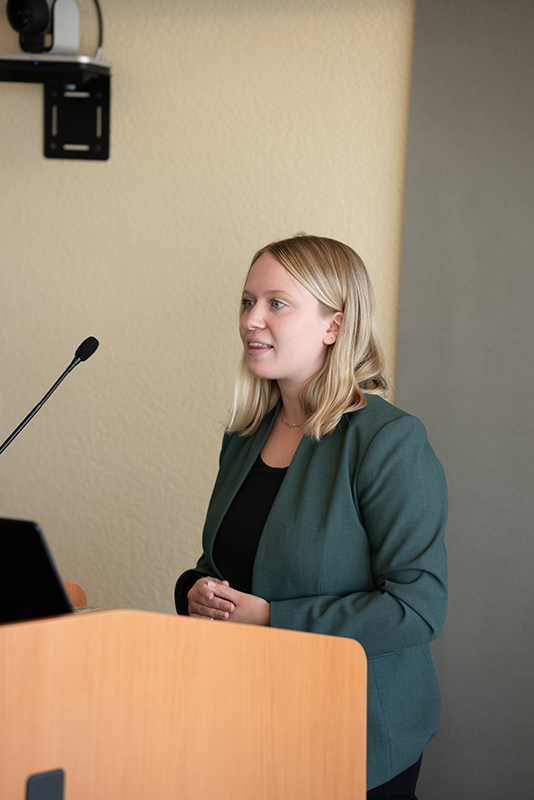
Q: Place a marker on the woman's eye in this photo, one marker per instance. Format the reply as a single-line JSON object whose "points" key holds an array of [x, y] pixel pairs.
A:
{"points": [[277, 304], [246, 303]]}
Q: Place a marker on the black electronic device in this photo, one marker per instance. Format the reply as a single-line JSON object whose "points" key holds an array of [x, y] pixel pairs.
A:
{"points": [[46, 25], [46, 68], [30, 586], [77, 88]]}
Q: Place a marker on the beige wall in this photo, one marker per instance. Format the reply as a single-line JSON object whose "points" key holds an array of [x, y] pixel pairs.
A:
{"points": [[233, 123]]}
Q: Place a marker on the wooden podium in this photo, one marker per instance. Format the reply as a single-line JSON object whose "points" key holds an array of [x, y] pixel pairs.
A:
{"points": [[140, 706]]}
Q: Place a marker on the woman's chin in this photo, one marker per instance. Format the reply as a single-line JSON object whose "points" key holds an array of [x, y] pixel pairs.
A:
{"points": [[256, 372]]}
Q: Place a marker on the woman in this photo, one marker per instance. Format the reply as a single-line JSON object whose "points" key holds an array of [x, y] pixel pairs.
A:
{"points": [[329, 508]]}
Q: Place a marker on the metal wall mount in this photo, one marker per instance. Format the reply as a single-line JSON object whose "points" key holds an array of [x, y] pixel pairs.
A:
{"points": [[76, 119], [77, 94]]}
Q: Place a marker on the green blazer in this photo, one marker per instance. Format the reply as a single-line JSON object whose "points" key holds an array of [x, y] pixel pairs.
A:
{"points": [[354, 546]]}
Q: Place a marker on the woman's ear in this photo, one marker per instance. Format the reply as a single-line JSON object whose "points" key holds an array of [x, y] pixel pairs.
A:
{"points": [[334, 328]]}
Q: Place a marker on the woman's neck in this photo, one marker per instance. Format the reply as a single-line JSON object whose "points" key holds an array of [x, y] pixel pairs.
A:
{"points": [[291, 411]]}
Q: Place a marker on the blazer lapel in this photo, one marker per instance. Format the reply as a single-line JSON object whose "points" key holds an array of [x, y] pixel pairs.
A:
{"points": [[238, 461]]}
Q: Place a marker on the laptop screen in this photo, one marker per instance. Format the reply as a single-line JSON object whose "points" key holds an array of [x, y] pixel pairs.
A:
{"points": [[30, 586]]}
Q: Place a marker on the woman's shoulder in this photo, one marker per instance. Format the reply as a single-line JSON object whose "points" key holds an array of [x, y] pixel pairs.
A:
{"points": [[381, 418], [379, 411]]}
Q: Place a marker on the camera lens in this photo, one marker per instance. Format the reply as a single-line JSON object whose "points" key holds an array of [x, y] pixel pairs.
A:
{"points": [[19, 14], [28, 16]]}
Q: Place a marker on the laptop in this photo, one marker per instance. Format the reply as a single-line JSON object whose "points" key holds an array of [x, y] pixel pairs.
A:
{"points": [[30, 586]]}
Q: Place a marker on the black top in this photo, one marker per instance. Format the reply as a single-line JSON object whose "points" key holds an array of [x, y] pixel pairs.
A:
{"points": [[239, 534]]}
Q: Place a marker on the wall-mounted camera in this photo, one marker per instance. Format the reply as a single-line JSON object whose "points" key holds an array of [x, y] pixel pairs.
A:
{"points": [[46, 26], [77, 88]]}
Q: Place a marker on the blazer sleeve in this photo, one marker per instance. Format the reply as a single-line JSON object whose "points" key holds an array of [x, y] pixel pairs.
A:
{"points": [[401, 496], [188, 578]]}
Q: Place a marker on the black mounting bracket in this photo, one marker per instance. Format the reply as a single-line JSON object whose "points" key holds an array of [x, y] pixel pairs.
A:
{"points": [[76, 101], [76, 119]]}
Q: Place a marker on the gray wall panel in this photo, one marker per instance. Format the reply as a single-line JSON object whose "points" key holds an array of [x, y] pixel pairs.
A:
{"points": [[465, 367]]}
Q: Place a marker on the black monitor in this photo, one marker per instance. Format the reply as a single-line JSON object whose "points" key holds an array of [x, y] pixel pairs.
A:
{"points": [[30, 586]]}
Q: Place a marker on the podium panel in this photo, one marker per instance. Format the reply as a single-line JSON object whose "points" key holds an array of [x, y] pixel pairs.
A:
{"points": [[138, 705]]}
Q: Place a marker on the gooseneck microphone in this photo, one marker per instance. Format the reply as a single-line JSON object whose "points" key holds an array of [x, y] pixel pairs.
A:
{"points": [[84, 351]]}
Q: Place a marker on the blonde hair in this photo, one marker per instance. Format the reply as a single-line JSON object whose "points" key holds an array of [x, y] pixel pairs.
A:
{"points": [[336, 276]]}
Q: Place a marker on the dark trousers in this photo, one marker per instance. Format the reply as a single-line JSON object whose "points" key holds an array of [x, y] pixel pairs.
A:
{"points": [[401, 787]]}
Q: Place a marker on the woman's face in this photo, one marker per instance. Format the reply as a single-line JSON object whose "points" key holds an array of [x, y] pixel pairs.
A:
{"points": [[283, 333]]}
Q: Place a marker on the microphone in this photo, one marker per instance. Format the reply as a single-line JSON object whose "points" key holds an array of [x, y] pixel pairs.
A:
{"points": [[84, 351]]}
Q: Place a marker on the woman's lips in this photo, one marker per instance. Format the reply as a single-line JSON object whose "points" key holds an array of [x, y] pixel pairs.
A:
{"points": [[258, 347]]}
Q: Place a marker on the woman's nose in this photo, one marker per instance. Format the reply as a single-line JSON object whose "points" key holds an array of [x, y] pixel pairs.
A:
{"points": [[255, 318]]}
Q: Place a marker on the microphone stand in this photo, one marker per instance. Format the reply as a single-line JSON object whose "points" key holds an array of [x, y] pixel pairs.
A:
{"points": [[86, 349]]}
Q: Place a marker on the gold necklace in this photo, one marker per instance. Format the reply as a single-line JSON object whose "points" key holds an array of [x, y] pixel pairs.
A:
{"points": [[290, 425]]}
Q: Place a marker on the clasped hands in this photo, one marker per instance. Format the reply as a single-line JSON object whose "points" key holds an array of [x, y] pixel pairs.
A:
{"points": [[211, 598]]}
